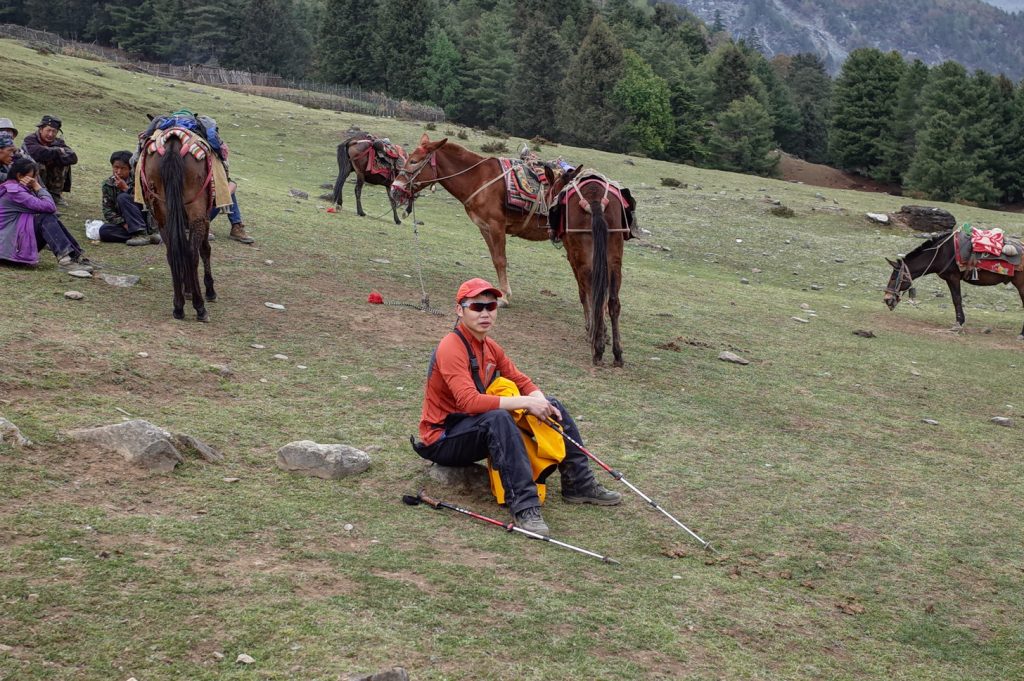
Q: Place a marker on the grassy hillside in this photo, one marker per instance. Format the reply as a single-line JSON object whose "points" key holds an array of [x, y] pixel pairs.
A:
{"points": [[857, 542]]}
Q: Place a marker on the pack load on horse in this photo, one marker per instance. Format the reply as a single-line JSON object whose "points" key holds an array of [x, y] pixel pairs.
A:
{"points": [[977, 256], [374, 160], [181, 178], [500, 199]]}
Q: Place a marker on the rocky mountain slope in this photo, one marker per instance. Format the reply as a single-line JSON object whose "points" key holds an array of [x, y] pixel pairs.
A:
{"points": [[974, 33]]}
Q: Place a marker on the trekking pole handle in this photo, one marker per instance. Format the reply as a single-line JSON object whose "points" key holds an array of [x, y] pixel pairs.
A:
{"points": [[429, 501]]}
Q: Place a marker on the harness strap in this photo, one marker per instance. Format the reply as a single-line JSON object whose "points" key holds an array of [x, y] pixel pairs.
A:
{"points": [[485, 185]]}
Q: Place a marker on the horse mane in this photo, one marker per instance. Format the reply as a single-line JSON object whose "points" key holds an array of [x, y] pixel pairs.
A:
{"points": [[929, 244]]}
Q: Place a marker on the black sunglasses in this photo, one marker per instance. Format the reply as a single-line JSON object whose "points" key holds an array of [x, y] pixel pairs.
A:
{"points": [[480, 307]]}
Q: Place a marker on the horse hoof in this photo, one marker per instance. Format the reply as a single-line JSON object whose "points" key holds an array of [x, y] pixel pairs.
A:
{"points": [[211, 297], [618, 363], [178, 314], [503, 301], [1020, 337], [203, 316], [360, 213]]}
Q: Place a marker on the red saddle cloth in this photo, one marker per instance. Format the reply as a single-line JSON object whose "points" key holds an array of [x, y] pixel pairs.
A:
{"points": [[987, 241], [524, 186], [977, 249]]}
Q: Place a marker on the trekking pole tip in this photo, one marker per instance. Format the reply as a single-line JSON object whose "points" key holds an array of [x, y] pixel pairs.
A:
{"points": [[708, 547]]}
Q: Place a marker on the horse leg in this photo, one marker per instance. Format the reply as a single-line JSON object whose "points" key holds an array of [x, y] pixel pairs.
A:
{"points": [[198, 303], [394, 206], [495, 239], [359, 195], [178, 311], [1020, 292], [204, 252], [958, 304], [614, 307]]}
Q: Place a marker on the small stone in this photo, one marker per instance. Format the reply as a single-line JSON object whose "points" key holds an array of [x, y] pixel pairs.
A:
{"points": [[143, 355], [5, 648], [230, 479], [222, 370], [298, 193], [878, 217], [805, 306], [219, 655], [274, 306], [269, 262], [677, 576], [381, 261], [930, 422], [744, 280], [987, 329], [816, 287], [120, 280], [1002, 421], [81, 274], [349, 527], [732, 357], [756, 270], [244, 659], [74, 295], [279, 356], [257, 346], [915, 372], [739, 241], [301, 366], [801, 320], [263, 380]]}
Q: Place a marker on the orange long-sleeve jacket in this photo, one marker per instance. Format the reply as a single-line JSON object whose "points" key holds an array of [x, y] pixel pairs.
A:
{"points": [[450, 387]]}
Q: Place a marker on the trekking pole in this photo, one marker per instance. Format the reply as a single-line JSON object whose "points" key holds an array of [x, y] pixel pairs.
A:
{"points": [[511, 527], [618, 476]]}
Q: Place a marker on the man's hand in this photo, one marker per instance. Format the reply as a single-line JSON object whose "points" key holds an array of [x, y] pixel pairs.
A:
{"points": [[540, 407], [120, 184]]}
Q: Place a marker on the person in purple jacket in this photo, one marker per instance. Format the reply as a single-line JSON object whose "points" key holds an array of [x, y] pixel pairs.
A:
{"points": [[28, 221]]}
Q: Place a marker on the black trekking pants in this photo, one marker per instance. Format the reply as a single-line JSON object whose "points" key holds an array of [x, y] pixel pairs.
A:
{"points": [[471, 438]]}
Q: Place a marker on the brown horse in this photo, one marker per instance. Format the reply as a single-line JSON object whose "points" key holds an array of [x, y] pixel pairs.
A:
{"points": [[354, 155], [476, 181], [593, 242], [177, 190], [937, 256], [591, 216]]}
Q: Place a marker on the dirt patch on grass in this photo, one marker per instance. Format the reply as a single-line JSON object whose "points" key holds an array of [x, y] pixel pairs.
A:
{"points": [[796, 170]]}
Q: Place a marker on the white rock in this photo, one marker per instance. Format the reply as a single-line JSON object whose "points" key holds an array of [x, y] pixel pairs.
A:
{"points": [[1002, 421], [230, 479], [268, 262], [74, 295], [280, 356], [801, 320], [244, 659], [349, 527], [274, 306], [301, 366], [930, 422], [878, 217], [120, 280], [81, 274], [257, 346], [143, 355], [330, 461], [10, 434], [734, 358]]}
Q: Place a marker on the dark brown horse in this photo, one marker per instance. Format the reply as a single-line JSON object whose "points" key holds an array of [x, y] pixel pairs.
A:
{"points": [[176, 186], [938, 256], [355, 155], [594, 218], [478, 182], [593, 243]]}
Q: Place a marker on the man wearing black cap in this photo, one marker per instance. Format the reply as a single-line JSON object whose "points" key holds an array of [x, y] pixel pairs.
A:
{"points": [[54, 157], [462, 423]]}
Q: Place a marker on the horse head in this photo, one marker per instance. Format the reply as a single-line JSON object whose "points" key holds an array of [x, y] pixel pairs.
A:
{"points": [[899, 281], [418, 171]]}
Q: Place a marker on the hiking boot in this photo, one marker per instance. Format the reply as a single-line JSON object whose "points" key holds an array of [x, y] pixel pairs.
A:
{"points": [[210, 236], [238, 234], [67, 264], [85, 263], [139, 239], [529, 519], [594, 493], [154, 238]]}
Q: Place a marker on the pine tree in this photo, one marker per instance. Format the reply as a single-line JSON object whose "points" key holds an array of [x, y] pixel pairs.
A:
{"points": [[441, 82], [718, 25], [587, 113], [901, 139], [742, 139], [487, 76], [405, 59], [541, 61], [346, 49], [687, 141], [731, 77], [645, 99], [808, 80], [864, 100]]}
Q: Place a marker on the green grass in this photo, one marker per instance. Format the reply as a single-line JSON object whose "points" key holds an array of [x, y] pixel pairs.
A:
{"points": [[810, 469]]}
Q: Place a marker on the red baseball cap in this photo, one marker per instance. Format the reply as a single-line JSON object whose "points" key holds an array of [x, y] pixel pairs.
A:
{"points": [[474, 287]]}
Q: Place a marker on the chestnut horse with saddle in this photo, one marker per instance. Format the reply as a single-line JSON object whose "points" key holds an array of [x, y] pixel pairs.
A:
{"points": [[595, 223], [374, 160]]}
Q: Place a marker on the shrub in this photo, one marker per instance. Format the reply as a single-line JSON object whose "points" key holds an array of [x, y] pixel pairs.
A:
{"points": [[782, 211], [671, 182], [431, 126], [462, 134], [494, 148], [494, 132], [538, 141]]}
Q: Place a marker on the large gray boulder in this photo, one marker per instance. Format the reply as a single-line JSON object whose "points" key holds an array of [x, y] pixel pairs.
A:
{"points": [[144, 444], [10, 434], [330, 462]]}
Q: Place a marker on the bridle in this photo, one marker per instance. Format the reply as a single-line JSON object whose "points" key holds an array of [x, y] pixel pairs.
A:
{"points": [[903, 274]]}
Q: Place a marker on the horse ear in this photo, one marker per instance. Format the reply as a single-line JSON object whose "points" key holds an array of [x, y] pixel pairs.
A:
{"points": [[549, 175], [150, 117], [424, 140], [894, 265], [434, 146]]}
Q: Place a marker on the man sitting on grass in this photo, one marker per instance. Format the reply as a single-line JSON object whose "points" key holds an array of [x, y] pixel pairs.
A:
{"points": [[123, 218]]}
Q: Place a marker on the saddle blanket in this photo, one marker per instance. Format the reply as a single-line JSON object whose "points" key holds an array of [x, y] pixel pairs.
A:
{"points": [[613, 188], [988, 250], [194, 145], [524, 186], [383, 157]]}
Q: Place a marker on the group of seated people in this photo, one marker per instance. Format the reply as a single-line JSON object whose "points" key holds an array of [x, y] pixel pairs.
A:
{"points": [[35, 177]]}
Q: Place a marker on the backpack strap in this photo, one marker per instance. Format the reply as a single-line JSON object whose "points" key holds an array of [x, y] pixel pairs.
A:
{"points": [[474, 365]]}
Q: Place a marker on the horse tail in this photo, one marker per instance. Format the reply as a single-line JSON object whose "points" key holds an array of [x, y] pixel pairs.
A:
{"points": [[344, 168], [598, 273], [172, 175]]}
